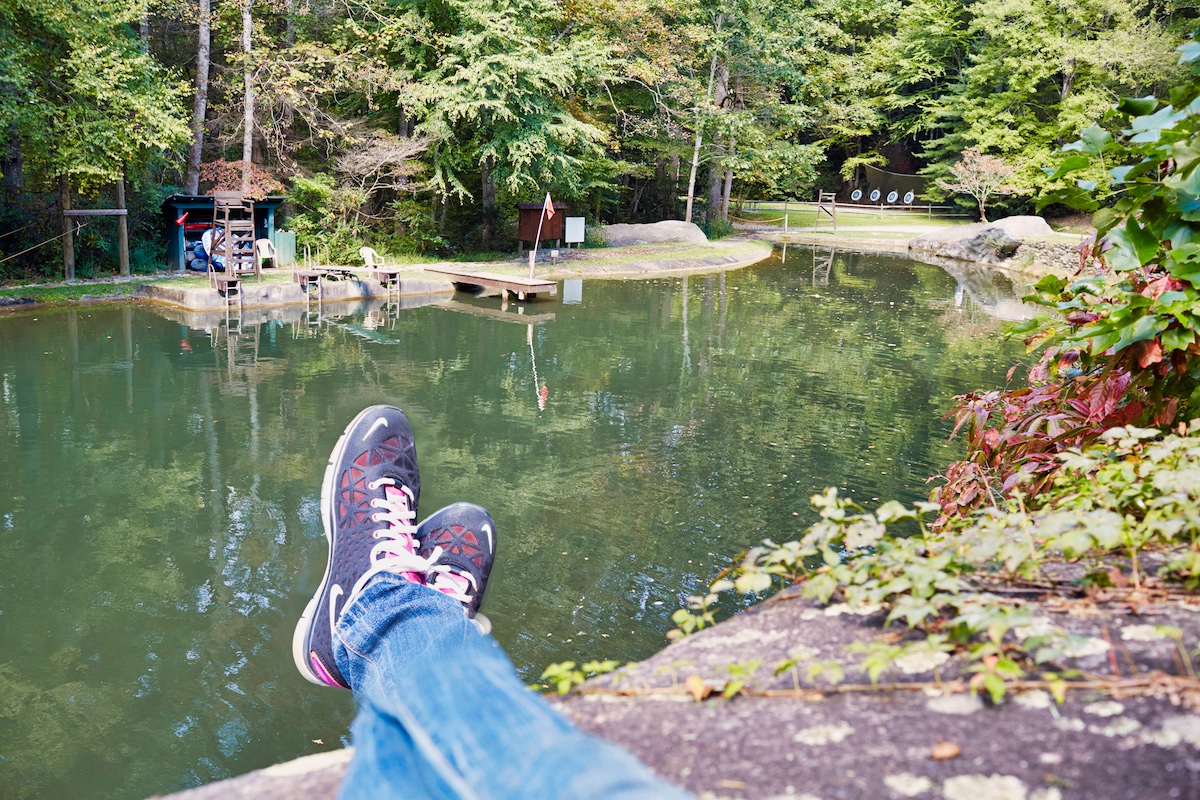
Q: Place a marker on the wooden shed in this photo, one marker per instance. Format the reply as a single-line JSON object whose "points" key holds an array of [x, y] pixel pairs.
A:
{"points": [[182, 236], [527, 224]]}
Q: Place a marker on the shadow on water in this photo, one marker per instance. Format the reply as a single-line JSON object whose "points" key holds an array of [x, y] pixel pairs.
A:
{"points": [[159, 484]]}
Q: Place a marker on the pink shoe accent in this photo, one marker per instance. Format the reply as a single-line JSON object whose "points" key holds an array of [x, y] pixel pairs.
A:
{"points": [[323, 673]]}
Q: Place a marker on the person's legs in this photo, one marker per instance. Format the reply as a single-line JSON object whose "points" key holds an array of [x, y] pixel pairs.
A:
{"points": [[442, 712], [427, 679]]}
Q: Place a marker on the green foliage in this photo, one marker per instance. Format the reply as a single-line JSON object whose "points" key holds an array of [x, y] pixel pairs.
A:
{"points": [[697, 616], [1132, 493], [1123, 351], [715, 227], [1014, 80], [740, 675], [564, 676], [415, 229], [78, 93], [498, 95], [326, 217]]}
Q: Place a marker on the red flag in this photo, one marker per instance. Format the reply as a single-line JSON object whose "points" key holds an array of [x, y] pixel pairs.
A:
{"points": [[548, 207]]}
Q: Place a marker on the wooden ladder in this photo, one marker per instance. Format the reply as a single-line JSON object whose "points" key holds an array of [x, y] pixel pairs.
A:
{"points": [[826, 204], [233, 239]]}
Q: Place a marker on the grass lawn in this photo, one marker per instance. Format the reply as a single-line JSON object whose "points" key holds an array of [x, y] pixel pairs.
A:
{"points": [[64, 294], [806, 217]]}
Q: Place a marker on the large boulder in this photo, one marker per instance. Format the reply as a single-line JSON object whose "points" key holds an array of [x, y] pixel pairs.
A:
{"points": [[671, 230], [984, 242]]}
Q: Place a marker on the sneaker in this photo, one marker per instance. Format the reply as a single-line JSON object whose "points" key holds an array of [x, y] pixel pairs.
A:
{"points": [[459, 542], [368, 505]]}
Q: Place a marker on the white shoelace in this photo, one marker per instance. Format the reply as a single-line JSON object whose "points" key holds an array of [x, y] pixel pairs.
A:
{"points": [[448, 580], [396, 551]]}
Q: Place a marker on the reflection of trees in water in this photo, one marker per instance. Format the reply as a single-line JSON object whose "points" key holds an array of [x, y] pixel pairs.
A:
{"points": [[138, 538]]}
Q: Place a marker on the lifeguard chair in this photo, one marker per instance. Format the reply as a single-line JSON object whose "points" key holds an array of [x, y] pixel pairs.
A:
{"points": [[233, 240]]}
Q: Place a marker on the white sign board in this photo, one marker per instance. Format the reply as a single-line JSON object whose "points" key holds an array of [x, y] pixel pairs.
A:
{"points": [[573, 230]]}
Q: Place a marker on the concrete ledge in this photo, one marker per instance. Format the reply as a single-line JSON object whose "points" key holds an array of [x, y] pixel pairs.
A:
{"points": [[753, 251], [258, 295], [315, 777]]}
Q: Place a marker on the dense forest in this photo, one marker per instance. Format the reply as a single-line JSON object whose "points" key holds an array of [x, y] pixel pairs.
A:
{"points": [[417, 125]]}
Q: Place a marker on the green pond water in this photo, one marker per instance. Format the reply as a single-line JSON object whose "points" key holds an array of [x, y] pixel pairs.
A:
{"points": [[160, 481]]}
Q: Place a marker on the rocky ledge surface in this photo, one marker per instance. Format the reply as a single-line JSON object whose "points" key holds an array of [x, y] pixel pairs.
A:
{"points": [[671, 230], [1132, 731], [1024, 243]]}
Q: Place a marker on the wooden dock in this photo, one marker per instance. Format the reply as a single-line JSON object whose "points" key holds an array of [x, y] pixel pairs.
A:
{"points": [[523, 288]]}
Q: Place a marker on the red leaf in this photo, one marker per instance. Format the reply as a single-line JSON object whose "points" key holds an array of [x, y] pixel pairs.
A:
{"points": [[1148, 352], [1082, 317], [1166, 413], [1155, 288]]}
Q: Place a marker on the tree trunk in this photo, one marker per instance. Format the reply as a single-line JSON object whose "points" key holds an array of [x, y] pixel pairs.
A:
{"points": [[248, 120], [144, 27], [716, 180], [712, 72], [691, 193], [11, 166], [982, 215], [488, 198], [200, 105], [1068, 78], [290, 35], [715, 177], [728, 187]]}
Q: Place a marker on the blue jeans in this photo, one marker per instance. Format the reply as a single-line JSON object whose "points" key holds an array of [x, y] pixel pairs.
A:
{"points": [[443, 714]]}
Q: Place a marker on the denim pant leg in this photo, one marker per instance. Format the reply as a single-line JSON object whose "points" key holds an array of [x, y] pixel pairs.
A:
{"points": [[442, 713]]}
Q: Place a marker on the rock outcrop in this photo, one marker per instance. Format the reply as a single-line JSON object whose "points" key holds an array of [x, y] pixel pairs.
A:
{"points": [[671, 230], [918, 733], [982, 243]]}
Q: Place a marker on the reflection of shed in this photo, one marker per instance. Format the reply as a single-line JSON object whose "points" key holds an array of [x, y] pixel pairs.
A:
{"points": [[182, 236], [527, 223]]}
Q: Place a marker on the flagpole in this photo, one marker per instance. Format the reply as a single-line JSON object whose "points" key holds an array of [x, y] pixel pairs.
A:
{"points": [[547, 207], [536, 242]]}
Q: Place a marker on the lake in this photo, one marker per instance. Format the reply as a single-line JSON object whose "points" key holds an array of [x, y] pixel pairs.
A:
{"points": [[160, 480]]}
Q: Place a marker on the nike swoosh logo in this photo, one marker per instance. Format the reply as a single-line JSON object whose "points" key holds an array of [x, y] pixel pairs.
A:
{"points": [[488, 530], [381, 421], [335, 592]]}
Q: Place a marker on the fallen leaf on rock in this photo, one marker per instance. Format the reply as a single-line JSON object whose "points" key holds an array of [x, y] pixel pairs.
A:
{"points": [[696, 688], [944, 751]]}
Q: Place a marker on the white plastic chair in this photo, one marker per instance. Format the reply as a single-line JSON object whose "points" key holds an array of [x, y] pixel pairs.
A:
{"points": [[264, 249]]}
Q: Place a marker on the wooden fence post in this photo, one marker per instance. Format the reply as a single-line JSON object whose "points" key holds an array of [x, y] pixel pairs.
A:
{"points": [[64, 190], [122, 227]]}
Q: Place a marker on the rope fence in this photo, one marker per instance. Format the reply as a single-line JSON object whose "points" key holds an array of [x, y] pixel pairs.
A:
{"points": [[18, 230], [78, 227], [744, 219]]}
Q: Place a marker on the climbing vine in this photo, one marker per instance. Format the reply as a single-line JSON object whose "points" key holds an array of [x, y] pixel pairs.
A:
{"points": [[1119, 516]]}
